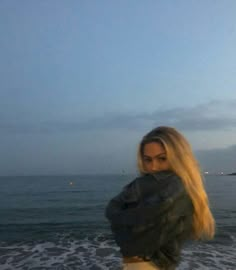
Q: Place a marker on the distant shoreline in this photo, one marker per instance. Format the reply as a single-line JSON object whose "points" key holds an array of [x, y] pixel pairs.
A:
{"points": [[220, 174]]}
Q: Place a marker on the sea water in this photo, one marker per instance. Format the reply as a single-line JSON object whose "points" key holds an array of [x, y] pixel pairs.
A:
{"points": [[57, 222]]}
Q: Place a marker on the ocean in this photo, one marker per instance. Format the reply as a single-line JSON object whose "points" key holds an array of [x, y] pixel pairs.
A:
{"points": [[57, 222]]}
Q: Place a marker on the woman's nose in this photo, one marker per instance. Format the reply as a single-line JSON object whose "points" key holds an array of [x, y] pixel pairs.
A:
{"points": [[155, 166]]}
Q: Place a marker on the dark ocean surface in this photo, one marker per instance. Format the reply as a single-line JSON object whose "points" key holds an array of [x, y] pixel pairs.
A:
{"points": [[57, 222]]}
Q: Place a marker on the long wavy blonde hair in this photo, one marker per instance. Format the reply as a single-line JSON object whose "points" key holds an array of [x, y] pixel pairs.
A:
{"points": [[184, 164]]}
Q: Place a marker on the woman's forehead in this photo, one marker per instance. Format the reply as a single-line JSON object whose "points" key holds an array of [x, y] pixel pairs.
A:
{"points": [[153, 149]]}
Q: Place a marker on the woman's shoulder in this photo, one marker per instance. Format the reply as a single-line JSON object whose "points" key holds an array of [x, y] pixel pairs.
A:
{"points": [[167, 175], [165, 183]]}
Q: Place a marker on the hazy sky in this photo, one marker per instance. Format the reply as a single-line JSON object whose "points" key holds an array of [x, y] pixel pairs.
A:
{"points": [[82, 81]]}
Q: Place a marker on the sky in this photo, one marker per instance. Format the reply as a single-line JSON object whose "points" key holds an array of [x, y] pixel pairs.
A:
{"points": [[81, 82]]}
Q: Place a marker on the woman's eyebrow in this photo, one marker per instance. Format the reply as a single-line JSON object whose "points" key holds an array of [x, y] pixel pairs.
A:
{"points": [[146, 156]]}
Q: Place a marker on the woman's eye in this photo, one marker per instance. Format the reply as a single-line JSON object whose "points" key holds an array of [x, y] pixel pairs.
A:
{"points": [[147, 160], [162, 158]]}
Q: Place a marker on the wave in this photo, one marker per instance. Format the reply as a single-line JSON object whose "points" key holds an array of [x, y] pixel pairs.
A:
{"points": [[99, 251]]}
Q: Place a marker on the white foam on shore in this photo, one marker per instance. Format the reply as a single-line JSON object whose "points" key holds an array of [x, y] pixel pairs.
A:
{"points": [[101, 253], [209, 257], [72, 254]]}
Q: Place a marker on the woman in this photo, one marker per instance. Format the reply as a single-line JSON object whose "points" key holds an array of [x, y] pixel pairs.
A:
{"points": [[157, 212]]}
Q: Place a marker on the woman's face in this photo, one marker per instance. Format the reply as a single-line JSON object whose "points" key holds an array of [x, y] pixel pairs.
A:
{"points": [[154, 158]]}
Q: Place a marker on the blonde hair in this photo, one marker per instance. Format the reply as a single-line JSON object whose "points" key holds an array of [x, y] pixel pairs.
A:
{"points": [[183, 163]]}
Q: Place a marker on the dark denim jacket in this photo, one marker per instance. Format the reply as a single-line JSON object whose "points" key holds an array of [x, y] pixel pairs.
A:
{"points": [[151, 218]]}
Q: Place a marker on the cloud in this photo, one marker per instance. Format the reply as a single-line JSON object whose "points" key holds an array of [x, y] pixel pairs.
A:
{"points": [[217, 160], [205, 117], [210, 116]]}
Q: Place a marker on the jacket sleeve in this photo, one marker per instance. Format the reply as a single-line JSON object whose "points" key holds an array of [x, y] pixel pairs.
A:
{"points": [[140, 202], [145, 214], [122, 209]]}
